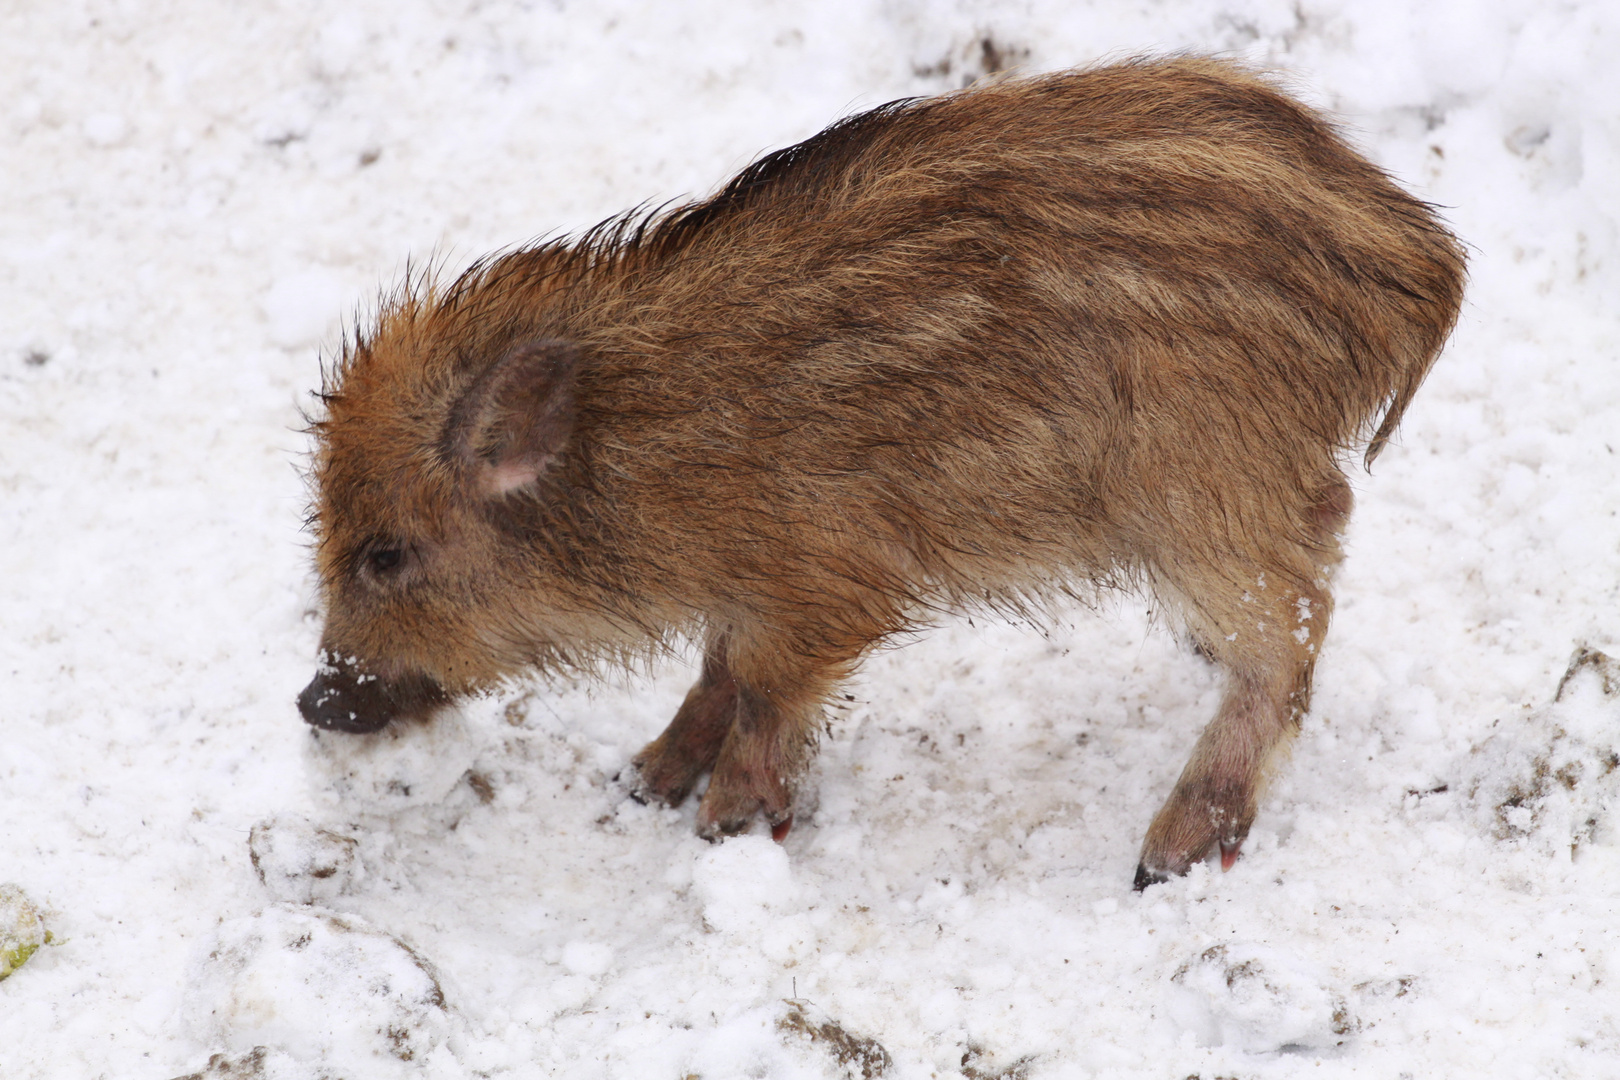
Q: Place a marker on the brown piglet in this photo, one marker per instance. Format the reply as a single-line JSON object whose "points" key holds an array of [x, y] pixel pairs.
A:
{"points": [[1110, 328]]}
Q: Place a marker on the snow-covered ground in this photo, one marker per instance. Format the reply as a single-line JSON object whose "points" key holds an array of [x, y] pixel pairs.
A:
{"points": [[194, 194]]}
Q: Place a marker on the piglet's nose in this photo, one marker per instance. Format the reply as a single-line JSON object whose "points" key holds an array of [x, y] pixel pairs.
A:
{"points": [[338, 700], [343, 696]]}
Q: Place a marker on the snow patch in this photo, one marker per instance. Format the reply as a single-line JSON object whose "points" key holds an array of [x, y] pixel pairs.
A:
{"points": [[1257, 999], [744, 883], [300, 862], [301, 308], [1551, 778], [403, 765], [321, 988]]}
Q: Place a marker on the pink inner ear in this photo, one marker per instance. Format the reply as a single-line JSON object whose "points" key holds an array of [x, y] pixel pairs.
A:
{"points": [[515, 419], [507, 476]]}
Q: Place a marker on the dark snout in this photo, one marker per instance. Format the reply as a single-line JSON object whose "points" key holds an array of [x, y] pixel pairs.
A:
{"points": [[343, 697]]}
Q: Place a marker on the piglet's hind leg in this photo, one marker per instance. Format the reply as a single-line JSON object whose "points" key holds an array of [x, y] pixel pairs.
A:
{"points": [[1264, 625], [1214, 802]]}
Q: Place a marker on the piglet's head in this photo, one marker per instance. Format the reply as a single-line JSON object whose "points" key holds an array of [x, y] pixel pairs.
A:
{"points": [[430, 474]]}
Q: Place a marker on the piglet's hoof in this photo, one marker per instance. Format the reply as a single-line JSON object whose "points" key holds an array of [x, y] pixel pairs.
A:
{"points": [[1146, 877], [716, 831], [731, 810], [660, 777], [636, 784]]}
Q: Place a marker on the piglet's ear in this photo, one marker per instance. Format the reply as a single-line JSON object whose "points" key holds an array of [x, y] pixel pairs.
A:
{"points": [[515, 419]]}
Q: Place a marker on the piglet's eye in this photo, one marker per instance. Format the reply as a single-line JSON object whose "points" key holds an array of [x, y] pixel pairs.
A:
{"points": [[385, 559]]}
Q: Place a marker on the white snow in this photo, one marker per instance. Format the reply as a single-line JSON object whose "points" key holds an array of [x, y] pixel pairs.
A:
{"points": [[196, 198], [319, 987]]}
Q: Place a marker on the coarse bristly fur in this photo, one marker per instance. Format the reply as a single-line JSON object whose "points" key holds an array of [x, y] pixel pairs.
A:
{"points": [[1108, 327]]}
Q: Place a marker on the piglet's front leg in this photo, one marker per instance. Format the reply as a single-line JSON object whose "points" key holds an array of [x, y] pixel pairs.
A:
{"points": [[771, 742], [668, 767]]}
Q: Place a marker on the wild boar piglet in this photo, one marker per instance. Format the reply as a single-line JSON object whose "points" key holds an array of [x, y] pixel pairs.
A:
{"points": [[1117, 327]]}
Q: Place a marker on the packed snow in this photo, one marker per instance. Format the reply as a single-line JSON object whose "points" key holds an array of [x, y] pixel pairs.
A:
{"points": [[196, 198]]}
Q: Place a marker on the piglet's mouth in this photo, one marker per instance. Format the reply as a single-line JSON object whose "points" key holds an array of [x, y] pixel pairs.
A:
{"points": [[343, 696]]}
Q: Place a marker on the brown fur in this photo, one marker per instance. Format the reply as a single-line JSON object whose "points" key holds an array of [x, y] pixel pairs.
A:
{"points": [[1112, 327]]}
